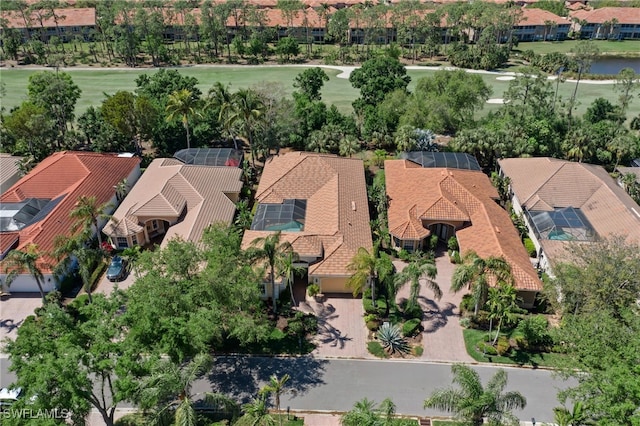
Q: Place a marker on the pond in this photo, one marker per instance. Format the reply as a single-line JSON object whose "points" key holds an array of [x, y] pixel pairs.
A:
{"points": [[604, 65]]}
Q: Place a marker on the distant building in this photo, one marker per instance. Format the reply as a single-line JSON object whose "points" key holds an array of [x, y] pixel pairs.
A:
{"points": [[614, 23], [9, 171]]}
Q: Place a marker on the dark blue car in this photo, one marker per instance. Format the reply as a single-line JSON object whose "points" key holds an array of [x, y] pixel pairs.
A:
{"points": [[117, 269]]}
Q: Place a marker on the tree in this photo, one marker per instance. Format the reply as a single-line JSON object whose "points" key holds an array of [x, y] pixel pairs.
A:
{"points": [[182, 104], [626, 83], [377, 77], [221, 99], [472, 402], [288, 270], [416, 270], [168, 390], [287, 47], [87, 213], [366, 413], [271, 251], [276, 387], [20, 261], [348, 146], [502, 303], [477, 273], [256, 414], [76, 357], [363, 267], [310, 82], [584, 53], [247, 111], [574, 417]]}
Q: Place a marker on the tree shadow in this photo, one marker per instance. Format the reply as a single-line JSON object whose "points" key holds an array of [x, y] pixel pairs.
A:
{"points": [[9, 325], [327, 333], [435, 316], [242, 377]]}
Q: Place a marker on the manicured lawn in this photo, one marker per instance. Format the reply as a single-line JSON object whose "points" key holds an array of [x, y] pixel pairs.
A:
{"points": [[95, 83], [446, 423], [519, 357], [622, 48]]}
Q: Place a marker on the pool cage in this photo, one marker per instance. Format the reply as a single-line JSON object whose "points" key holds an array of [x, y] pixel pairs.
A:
{"points": [[561, 224], [210, 157]]}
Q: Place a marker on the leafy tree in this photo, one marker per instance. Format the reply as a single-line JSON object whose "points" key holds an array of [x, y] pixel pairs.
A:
{"points": [[133, 116], [168, 390], [182, 104], [626, 83], [87, 213], [276, 387], [476, 273], [377, 77], [20, 261], [33, 131], [472, 402], [418, 269], [272, 252], [583, 53], [76, 358], [601, 109], [502, 302], [310, 82], [287, 47]]}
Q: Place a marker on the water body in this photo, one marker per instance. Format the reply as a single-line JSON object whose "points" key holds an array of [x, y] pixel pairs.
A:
{"points": [[614, 65]]}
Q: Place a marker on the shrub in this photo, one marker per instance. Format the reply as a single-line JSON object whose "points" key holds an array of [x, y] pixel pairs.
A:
{"points": [[404, 255], [531, 248], [133, 419], [410, 327], [373, 325], [433, 242], [418, 350], [503, 347], [487, 349], [467, 305], [414, 312], [535, 330], [380, 309], [452, 244], [391, 339], [313, 290], [376, 349], [465, 322]]}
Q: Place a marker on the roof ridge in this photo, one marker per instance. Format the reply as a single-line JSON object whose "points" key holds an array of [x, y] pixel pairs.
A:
{"points": [[301, 158], [537, 189]]}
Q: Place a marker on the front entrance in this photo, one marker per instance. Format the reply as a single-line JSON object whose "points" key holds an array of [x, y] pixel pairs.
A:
{"points": [[442, 230]]}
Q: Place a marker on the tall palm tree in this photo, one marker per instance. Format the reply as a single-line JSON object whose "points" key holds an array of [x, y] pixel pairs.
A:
{"points": [[87, 213], [348, 146], [575, 417], [472, 402], [182, 104], [415, 271], [169, 388], [256, 414], [221, 99], [247, 111], [288, 270], [276, 387], [475, 273], [503, 305], [20, 261], [271, 251], [364, 267]]}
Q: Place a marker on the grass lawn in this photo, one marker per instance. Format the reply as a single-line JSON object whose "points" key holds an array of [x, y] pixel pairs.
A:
{"points": [[519, 357], [446, 423], [627, 48], [95, 83]]}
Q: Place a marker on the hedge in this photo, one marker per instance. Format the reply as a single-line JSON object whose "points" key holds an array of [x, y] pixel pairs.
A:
{"points": [[410, 327]]}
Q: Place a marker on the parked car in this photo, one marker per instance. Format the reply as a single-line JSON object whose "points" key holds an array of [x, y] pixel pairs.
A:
{"points": [[9, 396], [117, 269]]}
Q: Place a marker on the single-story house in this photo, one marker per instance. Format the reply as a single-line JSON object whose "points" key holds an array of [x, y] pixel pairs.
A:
{"points": [[173, 198], [35, 210], [563, 202], [9, 171], [319, 204], [461, 202]]}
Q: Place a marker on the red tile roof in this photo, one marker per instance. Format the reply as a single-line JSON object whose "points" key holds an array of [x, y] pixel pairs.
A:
{"points": [[416, 193], [83, 17], [68, 175], [624, 15], [540, 17]]}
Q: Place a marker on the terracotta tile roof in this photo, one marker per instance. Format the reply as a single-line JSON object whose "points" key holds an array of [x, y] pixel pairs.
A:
{"points": [[167, 188], [553, 183], [68, 175], [81, 17], [539, 17], [465, 195], [337, 212], [624, 15]]}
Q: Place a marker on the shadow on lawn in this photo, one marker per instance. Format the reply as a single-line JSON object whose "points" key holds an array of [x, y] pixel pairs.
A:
{"points": [[242, 377]]}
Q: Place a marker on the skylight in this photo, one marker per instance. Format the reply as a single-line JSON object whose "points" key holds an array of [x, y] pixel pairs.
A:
{"points": [[15, 216]]}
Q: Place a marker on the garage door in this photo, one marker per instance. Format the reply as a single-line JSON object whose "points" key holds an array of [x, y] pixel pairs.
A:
{"points": [[334, 285]]}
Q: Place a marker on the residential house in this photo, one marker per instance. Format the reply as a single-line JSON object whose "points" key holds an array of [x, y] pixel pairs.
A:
{"points": [[539, 24], [455, 200], [9, 171], [65, 23], [177, 197], [614, 23], [564, 202], [319, 204], [35, 210]]}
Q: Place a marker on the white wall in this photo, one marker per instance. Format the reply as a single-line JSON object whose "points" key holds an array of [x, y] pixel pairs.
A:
{"points": [[25, 283]]}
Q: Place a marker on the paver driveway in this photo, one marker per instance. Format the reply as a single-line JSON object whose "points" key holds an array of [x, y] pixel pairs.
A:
{"points": [[14, 309]]}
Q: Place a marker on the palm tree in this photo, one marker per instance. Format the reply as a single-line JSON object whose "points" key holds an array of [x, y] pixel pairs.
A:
{"points": [[415, 271], [365, 413], [348, 146], [222, 99], [277, 387], [87, 213], [475, 272], [364, 266], [20, 261], [270, 250], [247, 110], [575, 417], [121, 188], [288, 270], [503, 305], [256, 414], [182, 104], [472, 402], [168, 388]]}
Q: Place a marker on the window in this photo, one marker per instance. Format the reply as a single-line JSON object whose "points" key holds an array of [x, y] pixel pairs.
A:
{"points": [[134, 240], [408, 245], [122, 242], [155, 224]]}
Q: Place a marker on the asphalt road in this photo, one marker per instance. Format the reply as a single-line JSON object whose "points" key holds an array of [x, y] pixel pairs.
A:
{"points": [[335, 384]]}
